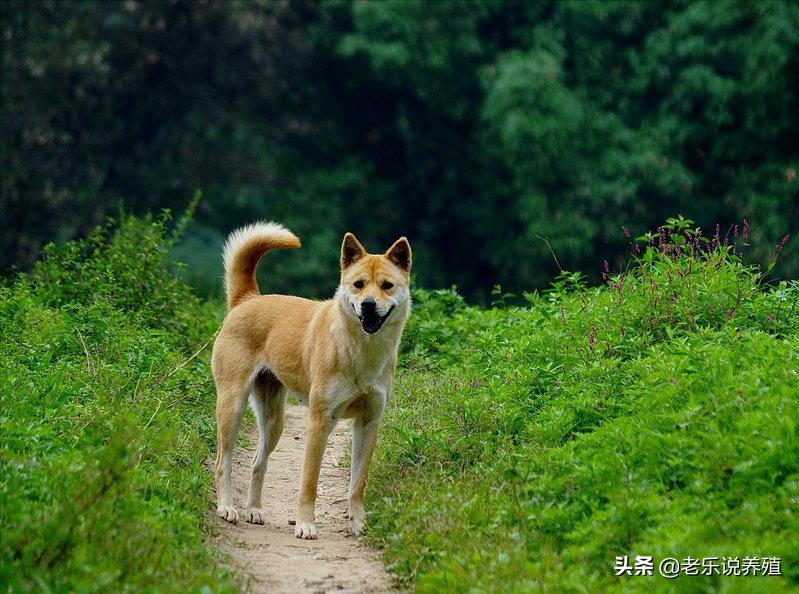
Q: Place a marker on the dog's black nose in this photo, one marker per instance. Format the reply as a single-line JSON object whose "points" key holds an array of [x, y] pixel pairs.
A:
{"points": [[368, 306]]}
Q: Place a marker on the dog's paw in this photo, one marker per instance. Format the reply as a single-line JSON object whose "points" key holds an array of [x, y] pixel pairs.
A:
{"points": [[306, 530], [356, 524], [228, 513], [356, 515], [253, 515]]}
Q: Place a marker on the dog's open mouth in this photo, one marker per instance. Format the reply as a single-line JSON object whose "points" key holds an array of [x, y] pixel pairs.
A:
{"points": [[371, 321]]}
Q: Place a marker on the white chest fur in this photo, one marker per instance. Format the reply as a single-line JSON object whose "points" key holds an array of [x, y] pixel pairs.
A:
{"points": [[367, 360]]}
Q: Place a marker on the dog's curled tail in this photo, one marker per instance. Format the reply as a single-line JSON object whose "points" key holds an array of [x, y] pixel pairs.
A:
{"points": [[243, 249]]}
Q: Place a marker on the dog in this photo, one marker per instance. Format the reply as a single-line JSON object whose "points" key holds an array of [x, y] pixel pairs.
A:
{"points": [[338, 356]]}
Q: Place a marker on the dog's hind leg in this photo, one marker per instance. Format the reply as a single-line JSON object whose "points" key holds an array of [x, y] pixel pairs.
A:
{"points": [[268, 400], [231, 399]]}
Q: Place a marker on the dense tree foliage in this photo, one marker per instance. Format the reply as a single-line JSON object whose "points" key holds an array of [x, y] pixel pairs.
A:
{"points": [[475, 129]]}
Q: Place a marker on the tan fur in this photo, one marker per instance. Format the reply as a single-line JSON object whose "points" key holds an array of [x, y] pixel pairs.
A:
{"points": [[318, 350]]}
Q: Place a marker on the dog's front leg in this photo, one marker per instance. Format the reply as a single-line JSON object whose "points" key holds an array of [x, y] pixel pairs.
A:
{"points": [[364, 440], [320, 424]]}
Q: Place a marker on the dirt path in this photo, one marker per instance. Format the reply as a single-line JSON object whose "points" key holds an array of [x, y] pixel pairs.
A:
{"points": [[277, 561]]}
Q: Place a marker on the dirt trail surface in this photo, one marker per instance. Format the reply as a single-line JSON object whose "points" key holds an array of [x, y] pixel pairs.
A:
{"points": [[275, 560]]}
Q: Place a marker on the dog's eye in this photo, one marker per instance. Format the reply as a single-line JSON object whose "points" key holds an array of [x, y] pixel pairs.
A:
{"points": [[386, 285], [358, 284]]}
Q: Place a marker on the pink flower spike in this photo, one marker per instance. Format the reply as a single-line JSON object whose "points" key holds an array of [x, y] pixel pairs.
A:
{"points": [[781, 244]]}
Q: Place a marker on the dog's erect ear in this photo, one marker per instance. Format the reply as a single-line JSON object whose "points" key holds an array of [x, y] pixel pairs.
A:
{"points": [[400, 254], [351, 251]]}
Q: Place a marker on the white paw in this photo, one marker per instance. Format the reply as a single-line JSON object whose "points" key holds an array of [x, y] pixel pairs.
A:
{"points": [[357, 526], [357, 516], [306, 530], [253, 515], [228, 513]]}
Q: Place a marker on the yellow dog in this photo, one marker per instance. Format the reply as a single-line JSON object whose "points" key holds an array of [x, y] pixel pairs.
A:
{"points": [[338, 356]]}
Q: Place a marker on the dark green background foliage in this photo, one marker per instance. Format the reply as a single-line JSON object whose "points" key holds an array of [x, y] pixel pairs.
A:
{"points": [[471, 128], [106, 421], [525, 448]]}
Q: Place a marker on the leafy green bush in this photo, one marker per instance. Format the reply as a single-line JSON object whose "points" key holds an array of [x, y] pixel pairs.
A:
{"points": [[527, 447], [106, 420]]}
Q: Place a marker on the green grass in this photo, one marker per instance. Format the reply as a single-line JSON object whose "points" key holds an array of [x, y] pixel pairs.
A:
{"points": [[526, 447], [106, 421]]}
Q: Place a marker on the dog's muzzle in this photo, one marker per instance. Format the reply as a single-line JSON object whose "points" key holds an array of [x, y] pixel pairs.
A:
{"points": [[371, 321]]}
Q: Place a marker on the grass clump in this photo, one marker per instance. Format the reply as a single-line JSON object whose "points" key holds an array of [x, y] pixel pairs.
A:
{"points": [[106, 420], [526, 447]]}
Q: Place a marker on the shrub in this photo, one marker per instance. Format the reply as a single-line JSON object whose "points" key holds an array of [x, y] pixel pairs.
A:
{"points": [[527, 447], [106, 420]]}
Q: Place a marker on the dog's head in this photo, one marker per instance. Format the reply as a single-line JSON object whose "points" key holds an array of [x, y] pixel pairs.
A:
{"points": [[374, 286]]}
